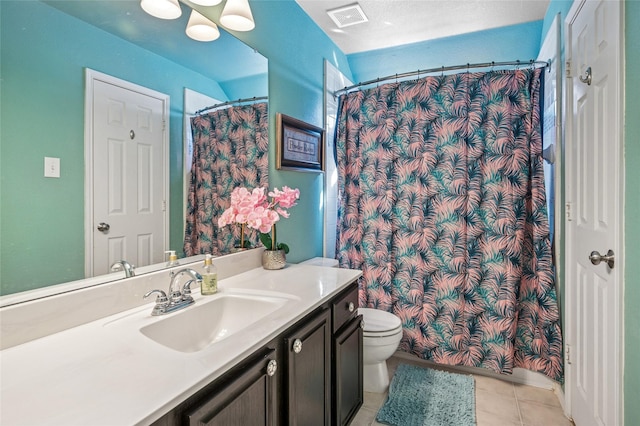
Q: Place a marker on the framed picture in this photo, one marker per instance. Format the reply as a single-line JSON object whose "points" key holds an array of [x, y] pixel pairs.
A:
{"points": [[300, 146]]}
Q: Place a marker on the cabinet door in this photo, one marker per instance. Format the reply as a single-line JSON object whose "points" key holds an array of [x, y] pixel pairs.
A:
{"points": [[248, 399], [308, 375], [348, 394]]}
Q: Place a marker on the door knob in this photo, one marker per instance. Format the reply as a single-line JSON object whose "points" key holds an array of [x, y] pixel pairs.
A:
{"points": [[595, 258], [103, 227], [587, 77]]}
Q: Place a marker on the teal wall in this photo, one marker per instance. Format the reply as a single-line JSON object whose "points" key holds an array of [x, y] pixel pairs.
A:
{"points": [[632, 225], [515, 42], [42, 106]]}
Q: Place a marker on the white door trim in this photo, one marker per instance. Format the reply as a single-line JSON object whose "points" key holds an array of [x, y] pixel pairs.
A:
{"points": [[90, 77], [571, 141]]}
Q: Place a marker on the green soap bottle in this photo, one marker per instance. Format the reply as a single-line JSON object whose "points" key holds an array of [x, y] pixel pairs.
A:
{"points": [[209, 283]]}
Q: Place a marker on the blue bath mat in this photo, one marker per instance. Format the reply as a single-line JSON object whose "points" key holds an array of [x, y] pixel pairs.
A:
{"points": [[425, 397]]}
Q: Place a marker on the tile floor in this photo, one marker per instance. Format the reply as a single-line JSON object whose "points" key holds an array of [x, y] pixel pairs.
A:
{"points": [[498, 403]]}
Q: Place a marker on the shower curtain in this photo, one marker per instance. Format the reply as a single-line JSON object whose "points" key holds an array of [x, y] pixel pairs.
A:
{"points": [[442, 206], [230, 149]]}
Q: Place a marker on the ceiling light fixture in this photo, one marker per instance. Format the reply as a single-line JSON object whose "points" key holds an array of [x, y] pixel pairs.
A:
{"points": [[237, 16], [163, 9], [206, 2], [200, 28]]}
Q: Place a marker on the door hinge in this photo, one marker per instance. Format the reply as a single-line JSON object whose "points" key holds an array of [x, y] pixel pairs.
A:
{"points": [[567, 67], [164, 125], [567, 354], [568, 208], [164, 205]]}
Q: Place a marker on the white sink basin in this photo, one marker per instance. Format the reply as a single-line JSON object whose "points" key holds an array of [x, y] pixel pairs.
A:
{"points": [[208, 321]]}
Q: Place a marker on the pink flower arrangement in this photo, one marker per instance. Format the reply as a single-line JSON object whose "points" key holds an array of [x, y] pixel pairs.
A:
{"points": [[256, 211]]}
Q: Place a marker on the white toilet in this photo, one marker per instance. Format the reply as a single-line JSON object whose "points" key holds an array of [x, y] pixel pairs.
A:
{"points": [[382, 334]]}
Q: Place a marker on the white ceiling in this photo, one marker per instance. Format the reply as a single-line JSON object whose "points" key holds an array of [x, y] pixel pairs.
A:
{"points": [[396, 22]]}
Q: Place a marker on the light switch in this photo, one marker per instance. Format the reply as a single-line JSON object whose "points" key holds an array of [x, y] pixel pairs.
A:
{"points": [[51, 167]]}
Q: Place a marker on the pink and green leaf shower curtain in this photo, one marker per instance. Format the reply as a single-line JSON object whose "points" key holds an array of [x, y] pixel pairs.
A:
{"points": [[442, 206], [230, 149]]}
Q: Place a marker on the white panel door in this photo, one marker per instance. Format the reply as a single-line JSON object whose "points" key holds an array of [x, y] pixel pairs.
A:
{"points": [[128, 177], [595, 207]]}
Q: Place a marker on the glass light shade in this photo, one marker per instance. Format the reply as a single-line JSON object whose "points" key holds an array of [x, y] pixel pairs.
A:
{"points": [[237, 16], [200, 28], [163, 9], [206, 2]]}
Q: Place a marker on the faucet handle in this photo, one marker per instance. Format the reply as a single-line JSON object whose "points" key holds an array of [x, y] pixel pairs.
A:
{"points": [[162, 296], [186, 290]]}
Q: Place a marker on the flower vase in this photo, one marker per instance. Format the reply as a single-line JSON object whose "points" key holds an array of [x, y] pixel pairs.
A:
{"points": [[273, 259]]}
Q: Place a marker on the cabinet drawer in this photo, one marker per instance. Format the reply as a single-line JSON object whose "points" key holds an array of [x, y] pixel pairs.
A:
{"points": [[345, 307], [250, 398]]}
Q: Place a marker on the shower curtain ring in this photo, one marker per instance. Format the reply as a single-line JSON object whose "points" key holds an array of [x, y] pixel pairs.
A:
{"points": [[442, 75], [493, 64], [518, 65]]}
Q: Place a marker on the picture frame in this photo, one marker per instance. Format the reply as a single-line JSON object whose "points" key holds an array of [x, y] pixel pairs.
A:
{"points": [[300, 145]]}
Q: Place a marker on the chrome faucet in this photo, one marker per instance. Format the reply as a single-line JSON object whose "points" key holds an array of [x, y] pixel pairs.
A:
{"points": [[124, 265], [177, 299]]}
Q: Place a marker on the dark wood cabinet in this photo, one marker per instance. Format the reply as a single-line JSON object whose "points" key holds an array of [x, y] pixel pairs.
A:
{"points": [[308, 374], [347, 357], [250, 399], [245, 395], [347, 364], [317, 378]]}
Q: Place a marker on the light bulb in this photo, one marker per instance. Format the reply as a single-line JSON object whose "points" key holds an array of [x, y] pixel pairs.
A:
{"points": [[237, 16], [200, 28], [163, 9], [206, 2]]}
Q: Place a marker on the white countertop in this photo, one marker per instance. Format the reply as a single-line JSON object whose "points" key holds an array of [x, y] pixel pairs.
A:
{"points": [[102, 374]]}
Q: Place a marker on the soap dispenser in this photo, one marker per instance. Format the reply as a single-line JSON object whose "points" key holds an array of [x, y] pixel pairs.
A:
{"points": [[209, 277], [173, 259]]}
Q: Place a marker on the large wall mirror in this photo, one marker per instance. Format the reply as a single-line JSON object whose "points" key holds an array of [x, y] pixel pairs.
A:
{"points": [[47, 46]]}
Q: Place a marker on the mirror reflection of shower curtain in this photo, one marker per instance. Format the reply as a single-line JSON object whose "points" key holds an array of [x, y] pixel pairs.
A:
{"points": [[230, 149]]}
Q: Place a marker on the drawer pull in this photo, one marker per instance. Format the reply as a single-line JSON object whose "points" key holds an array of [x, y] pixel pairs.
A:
{"points": [[351, 307], [297, 346], [272, 366]]}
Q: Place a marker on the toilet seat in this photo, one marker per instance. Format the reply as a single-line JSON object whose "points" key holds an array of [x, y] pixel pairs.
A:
{"points": [[379, 323]]}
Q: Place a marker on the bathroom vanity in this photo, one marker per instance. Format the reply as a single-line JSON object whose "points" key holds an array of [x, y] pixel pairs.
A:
{"points": [[293, 356]]}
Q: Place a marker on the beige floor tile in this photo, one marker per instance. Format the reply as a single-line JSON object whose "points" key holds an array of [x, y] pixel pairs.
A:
{"points": [[534, 414], [365, 417], [374, 400], [488, 419], [538, 395], [496, 406], [500, 387]]}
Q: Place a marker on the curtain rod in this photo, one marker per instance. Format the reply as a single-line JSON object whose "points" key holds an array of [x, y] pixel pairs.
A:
{"points": [[467, 66], [239, 101]]}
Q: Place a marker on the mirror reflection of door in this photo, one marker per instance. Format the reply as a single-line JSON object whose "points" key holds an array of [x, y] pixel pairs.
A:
{"points": [[129, 172]]}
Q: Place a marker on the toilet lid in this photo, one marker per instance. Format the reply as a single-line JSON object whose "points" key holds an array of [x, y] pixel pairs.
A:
{"points": [[377, 321]]}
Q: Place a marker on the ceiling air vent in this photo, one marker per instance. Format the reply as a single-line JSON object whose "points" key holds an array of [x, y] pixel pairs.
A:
{"points": [[347, 15]]}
